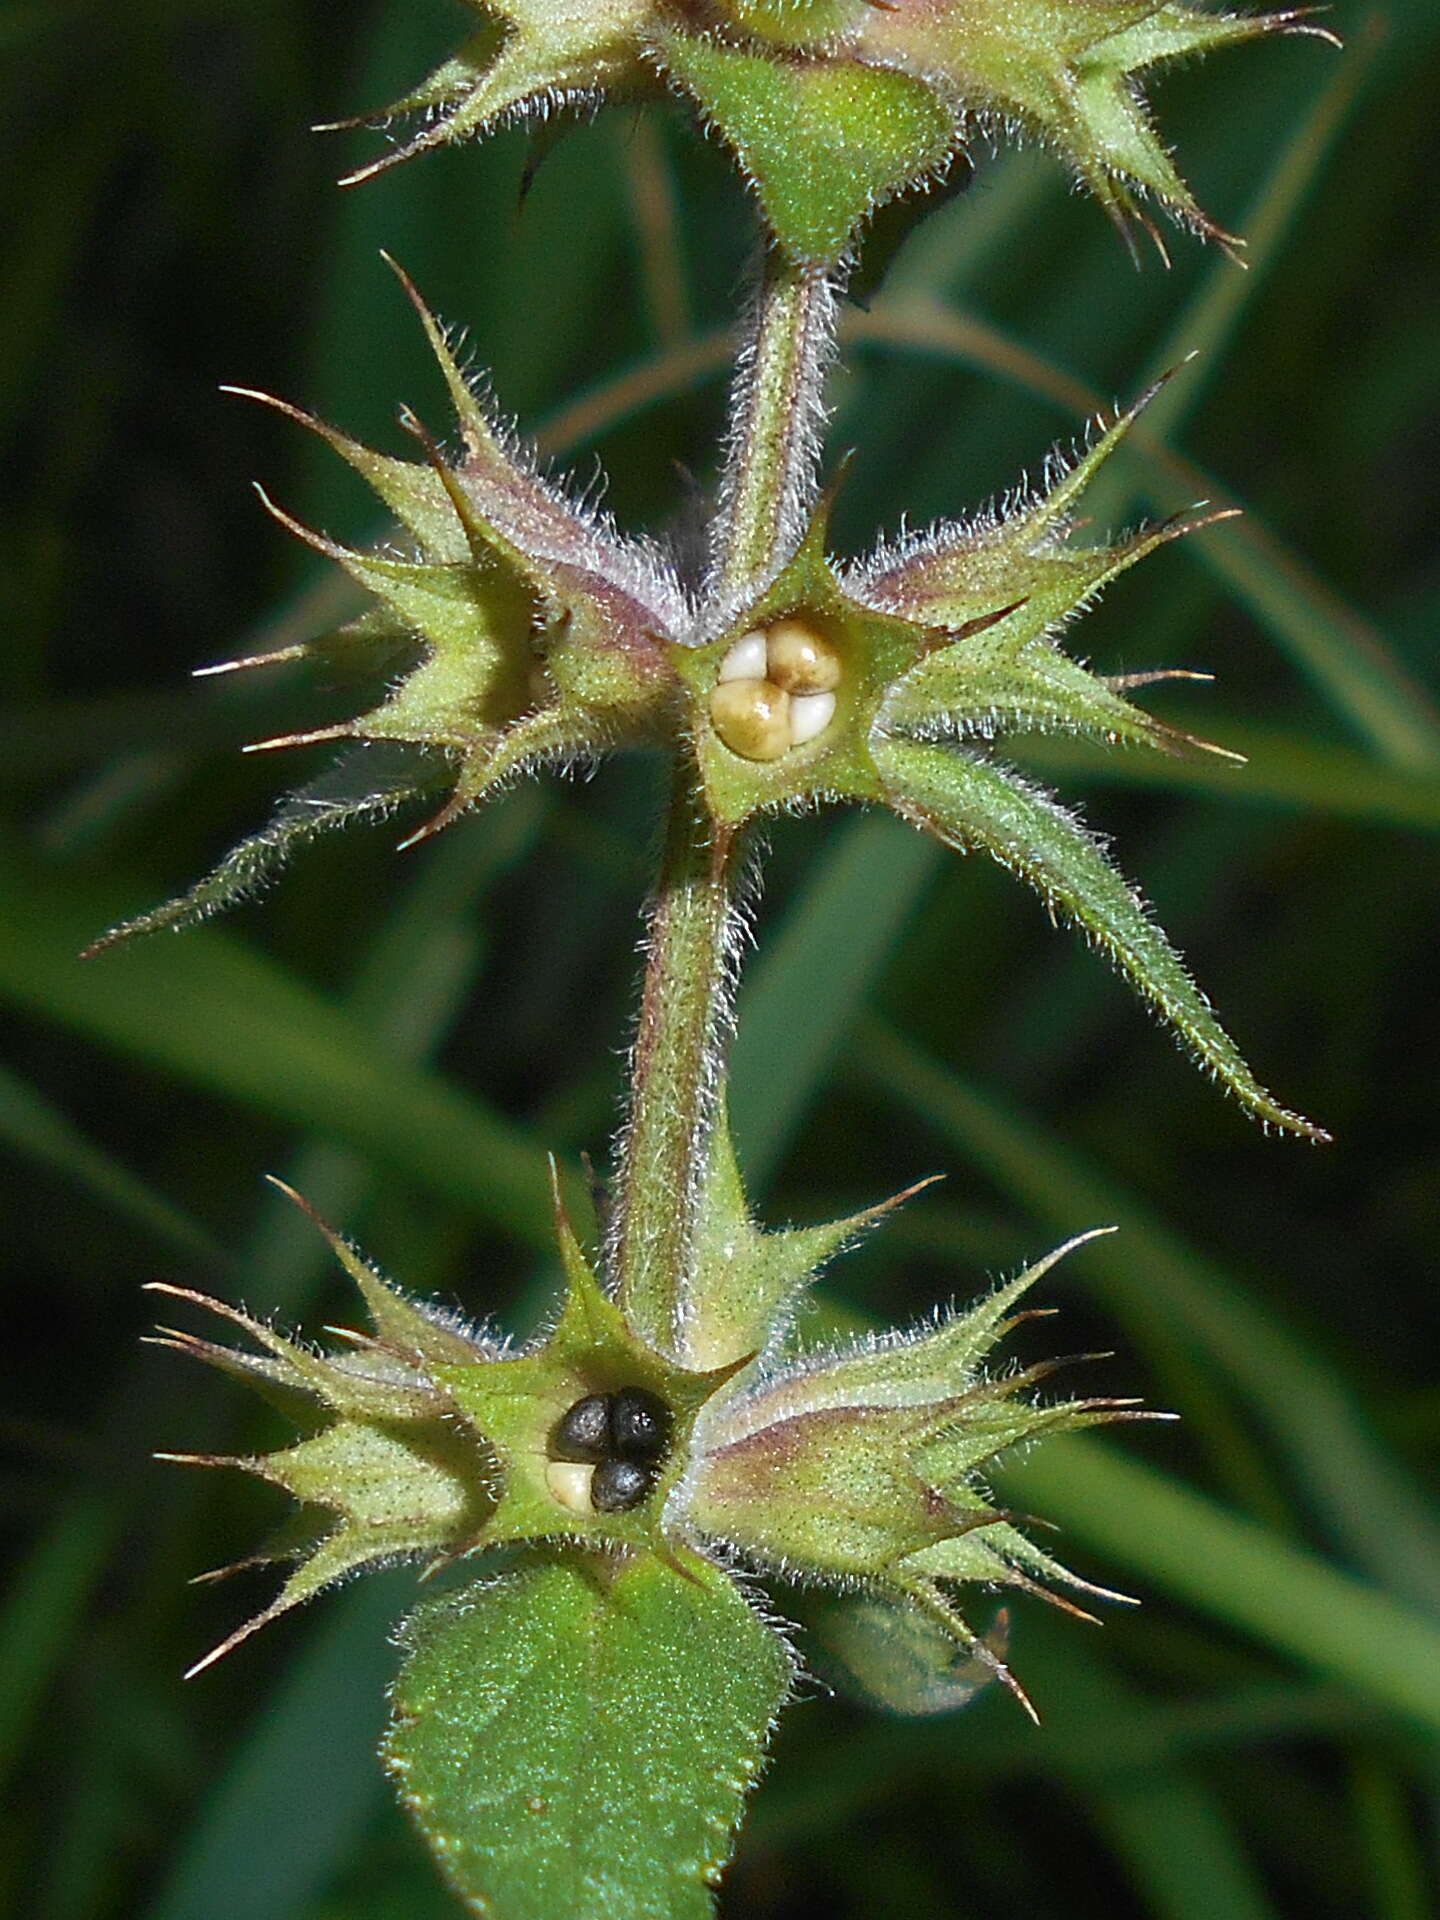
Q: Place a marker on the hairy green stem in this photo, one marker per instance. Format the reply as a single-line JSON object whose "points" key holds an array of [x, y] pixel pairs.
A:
{"points": [[677, 1065], [776, 417]]}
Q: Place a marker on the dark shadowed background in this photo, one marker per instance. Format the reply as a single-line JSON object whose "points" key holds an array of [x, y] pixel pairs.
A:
{"points": [[401, 1037]]}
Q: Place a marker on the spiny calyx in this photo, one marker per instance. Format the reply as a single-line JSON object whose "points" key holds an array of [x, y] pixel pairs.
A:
{"points": [[865, 1466], [937, 647], [858, 1467], [434, 1440], [833, 106], [537, 636], [513, 629], [385, 1467]]}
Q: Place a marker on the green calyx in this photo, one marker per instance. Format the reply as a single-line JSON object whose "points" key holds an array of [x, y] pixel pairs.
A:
{"points": [[425, 1438], [519, 1406], [523, 633], [951, 635], [384, 1470], [512, 630], [534, 631], [1068, 73], [831, 107], [434, 1441], [866, 1466], [925, 654]]}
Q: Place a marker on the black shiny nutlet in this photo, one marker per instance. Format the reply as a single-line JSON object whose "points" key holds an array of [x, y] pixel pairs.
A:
{"points": [[618, 1485], [584, 1432], [639, 1424]]}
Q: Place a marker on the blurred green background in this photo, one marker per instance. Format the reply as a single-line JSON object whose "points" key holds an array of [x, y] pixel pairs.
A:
{"points": [[402, 1037]]}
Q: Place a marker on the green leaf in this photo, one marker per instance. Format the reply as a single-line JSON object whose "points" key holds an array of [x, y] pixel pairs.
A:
{"points": [[575, 1739], [823, 145], [1283, 769], [1175, 1834], [896, 1657], [968, 803]]}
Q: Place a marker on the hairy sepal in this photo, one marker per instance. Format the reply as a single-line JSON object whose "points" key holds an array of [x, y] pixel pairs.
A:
{"points": [[973, 804], [1068, 74], [367, 784], [514, 629], [834, 106], [748, 1280], [865, 1467], [387, 1470]]}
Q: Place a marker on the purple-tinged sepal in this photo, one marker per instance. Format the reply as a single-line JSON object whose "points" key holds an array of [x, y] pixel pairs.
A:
{"points": [[865, 1467], [890, 681], [832, 107], [512, 630]]}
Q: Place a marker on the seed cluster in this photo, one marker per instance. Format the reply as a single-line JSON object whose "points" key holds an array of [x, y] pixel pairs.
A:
{"points": [[607, 1449], [775, 690]]}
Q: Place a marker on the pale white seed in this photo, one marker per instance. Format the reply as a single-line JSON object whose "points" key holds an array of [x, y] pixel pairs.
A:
{"points": [[745, 660], [810, 715], [799, 658], [569, 1484], [752, 717]]}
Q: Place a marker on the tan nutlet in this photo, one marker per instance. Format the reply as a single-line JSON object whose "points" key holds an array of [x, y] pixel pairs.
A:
{"points": [[799, 658], [569, 1484], [752, 717]]}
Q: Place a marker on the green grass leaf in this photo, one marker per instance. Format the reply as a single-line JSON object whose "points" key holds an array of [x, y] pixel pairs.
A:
{"points": [[35, 1128], [217, 1014], [300, 1789], [1236, 1572], [803, 996]]}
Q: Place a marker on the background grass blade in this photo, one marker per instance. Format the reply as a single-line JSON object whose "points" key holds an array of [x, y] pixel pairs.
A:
{"points": [[299, 1790], [33, 1127], [236, 1025], [1192, 1549]]}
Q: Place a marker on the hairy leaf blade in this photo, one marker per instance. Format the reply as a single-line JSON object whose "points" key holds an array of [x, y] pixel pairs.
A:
{"points": [[580, 1742], [884, 130]]}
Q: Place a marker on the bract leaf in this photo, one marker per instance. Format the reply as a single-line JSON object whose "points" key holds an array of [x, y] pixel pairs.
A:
{"points": [[901, 1659], [576, 1738], [981, 691], [822, 143]]}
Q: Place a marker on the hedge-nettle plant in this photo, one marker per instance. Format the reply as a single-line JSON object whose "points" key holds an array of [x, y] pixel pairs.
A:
{"points": [[581, 1712]]}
